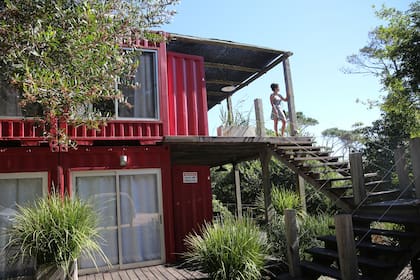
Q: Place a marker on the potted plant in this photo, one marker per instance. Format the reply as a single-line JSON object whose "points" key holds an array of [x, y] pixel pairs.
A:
{"points": [[54, 232]]}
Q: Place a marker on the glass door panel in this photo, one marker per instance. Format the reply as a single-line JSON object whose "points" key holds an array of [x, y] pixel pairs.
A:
{"points": [[101, 191], [140, 218]]}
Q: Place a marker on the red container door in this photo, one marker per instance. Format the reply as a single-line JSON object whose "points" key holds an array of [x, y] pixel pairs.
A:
{"points": [[192, 201], [187, 95]]}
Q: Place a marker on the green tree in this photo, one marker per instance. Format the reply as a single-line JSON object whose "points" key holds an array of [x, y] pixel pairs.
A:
{"points": [[62, 56], [393, 55]]}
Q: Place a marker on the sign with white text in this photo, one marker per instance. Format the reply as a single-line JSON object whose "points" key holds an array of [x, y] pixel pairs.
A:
{"points": [[190, 177]]}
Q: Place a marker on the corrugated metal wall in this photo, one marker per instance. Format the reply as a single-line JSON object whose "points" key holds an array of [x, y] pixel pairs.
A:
{"points": [[60, 165], [186, 95], [192, 201]]}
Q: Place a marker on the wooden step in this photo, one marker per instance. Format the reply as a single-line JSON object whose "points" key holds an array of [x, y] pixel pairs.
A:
{"points": [[346, 171], [323, 270], [299, 148], [312, 153], [339, 191], [387, 219], [333, 255], [377, 183], [339, 165], [330, 180], [332, 241], [323, 159], [318, 269], [385, 232], [385, 195]]}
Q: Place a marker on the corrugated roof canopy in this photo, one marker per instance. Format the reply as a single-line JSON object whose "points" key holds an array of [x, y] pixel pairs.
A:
{"points": [[227, 64]]}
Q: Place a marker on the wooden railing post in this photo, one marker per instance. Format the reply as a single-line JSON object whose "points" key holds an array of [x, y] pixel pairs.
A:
{"points": [[238, 191], [292, 242], [357, 177], [301, 191], [346, 247], [259, 117], [402, 172], [415, 161]]}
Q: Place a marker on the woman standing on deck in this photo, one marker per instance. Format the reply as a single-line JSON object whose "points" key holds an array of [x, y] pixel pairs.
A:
{"points": [[276, 112]]}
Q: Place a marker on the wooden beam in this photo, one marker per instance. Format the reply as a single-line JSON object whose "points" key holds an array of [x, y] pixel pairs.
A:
{"points": [[292, 242], [230, 67], [402, 172], [223, 82], [415, 161], [290, 97]]}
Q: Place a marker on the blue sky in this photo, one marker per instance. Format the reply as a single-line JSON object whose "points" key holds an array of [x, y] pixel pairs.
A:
{"points": [[321, 34]]}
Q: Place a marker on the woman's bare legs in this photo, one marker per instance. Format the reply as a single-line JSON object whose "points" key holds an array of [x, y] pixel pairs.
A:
{"points": [[276, 126], [283, 127]]}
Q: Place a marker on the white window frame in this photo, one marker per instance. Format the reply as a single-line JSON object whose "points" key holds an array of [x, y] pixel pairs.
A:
{"points": [[117, 173], [156, 86], [28, 175]]}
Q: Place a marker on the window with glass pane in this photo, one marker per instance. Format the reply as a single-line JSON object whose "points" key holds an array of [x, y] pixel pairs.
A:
{"points": [[16, 191], [9, 104], [143, 97]]}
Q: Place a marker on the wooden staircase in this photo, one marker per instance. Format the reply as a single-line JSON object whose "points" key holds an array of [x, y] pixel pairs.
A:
{"points": [[386, 228]]}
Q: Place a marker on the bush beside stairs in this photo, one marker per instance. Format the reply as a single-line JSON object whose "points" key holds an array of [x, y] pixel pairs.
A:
{"points": [[385, 220]]}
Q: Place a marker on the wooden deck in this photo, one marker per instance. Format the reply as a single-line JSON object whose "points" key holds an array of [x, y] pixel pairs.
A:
{"points": [[159, 272]]}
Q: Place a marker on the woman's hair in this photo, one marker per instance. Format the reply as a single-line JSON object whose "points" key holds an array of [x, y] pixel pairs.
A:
{"points": [[274, 86]]}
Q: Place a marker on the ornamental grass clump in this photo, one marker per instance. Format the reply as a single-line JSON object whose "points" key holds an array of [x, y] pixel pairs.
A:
{"points": [[231, 249], [54, 231]]}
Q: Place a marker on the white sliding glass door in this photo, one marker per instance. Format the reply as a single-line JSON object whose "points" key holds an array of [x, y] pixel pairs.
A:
{"points": [[130, 209]]}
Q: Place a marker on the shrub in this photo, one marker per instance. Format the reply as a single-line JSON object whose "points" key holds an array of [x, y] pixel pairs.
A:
{"points": [[232, 249], [54, 231], [283, 199]]}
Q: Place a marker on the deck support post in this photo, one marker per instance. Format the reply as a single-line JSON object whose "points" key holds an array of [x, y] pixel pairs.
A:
{"points": [[346, 247], [229, 110], [238, 191], [290, 97], [357, 177], [265, 157], [415, 161], [259, 117], [292, 242], [402, 172]]}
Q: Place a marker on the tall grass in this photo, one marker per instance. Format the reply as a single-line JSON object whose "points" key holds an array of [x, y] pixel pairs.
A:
{"points": [[283, 199], [232, 249], [54, 231]]}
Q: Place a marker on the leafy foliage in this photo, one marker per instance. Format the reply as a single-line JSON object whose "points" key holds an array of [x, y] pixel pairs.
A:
{"points": [[232, 249], [251, 181], [65, 55], [393, 55], [54, 230]]}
